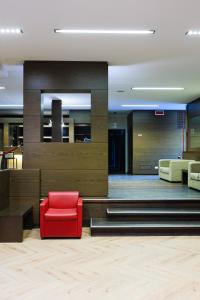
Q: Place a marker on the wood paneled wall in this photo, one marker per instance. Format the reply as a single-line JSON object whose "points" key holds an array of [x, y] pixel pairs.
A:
{"points": [[64, 166], [154, 138], [4, 189], [20, 186], [130, 142], [193, 108], [25, 188], [193, 130], [192, 155]]}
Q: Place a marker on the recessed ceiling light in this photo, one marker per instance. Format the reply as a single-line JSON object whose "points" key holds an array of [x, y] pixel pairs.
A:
{"points": [[193, 32], [140, 105], [2, 88], [10, 31], [157, 88], [103, 31], [120, 91]]}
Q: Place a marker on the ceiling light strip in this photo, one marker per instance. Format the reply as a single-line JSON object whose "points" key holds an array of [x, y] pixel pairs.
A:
{"points": [[140, 105], [76, 105], [70, 105], [104, 31], [193, 32], [2, 88], [10, 31], [11, 105], [157, 88]]}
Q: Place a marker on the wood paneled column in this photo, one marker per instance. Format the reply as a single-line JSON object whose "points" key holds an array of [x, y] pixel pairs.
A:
{"points": [[6, 135], [33, 117], [68, 166], [57, 121]]}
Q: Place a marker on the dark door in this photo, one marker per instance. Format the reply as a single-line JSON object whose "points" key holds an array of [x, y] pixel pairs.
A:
{"points": [[116, 151]]}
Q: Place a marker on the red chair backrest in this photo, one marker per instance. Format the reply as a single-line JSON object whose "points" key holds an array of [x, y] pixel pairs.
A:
{"points": [[63, 199]]}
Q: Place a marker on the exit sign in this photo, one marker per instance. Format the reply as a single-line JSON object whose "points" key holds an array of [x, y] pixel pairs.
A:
{"points": [[159, 113]]}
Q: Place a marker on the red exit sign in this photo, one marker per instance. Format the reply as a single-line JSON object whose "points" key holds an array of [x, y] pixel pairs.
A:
{"points": [[159, 113]]}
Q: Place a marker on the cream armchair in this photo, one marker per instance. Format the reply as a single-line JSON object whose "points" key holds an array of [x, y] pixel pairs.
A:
{"points": [[171, 169], [194, 175]]}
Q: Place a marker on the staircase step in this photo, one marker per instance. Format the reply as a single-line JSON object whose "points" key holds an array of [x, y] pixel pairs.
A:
{"points": [[103, 226], [153, 212]]}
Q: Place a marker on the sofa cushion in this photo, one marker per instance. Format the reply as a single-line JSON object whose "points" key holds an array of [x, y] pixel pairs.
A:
{"points": [[56, 214], [195, 176], [164, 170]]}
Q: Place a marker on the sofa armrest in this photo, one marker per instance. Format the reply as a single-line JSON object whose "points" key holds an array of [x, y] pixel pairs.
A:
{"points": [[80, 205], [194, 167], [44, 206], [80, 215], [164, 163]]}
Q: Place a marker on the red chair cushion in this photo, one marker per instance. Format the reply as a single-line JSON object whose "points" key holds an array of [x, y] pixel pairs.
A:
{"points": [[56, 214], [63, 199]]}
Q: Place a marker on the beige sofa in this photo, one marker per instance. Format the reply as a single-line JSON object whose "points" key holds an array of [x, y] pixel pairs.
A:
{"points": [[194, 175], [171, 169]]}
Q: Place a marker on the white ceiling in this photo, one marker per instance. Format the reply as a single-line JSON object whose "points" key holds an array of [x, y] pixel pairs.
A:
{"points": [[168, 58]]}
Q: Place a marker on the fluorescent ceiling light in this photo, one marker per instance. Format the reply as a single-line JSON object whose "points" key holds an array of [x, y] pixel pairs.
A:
{"points": [[140, 105], [77, 105], [157, 88], [11, 105], [193, 32], [2, 88], [104, 31], [10, 31]]}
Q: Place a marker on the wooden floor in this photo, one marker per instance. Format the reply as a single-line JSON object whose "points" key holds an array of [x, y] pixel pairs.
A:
{"points": [[148, 187], [118, 268]]}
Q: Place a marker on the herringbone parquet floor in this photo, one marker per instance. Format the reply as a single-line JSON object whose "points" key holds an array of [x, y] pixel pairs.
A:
{"points": [[120, 268]]}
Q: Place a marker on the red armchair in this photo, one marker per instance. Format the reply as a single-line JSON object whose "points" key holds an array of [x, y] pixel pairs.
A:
{"points": [[61, 215]]}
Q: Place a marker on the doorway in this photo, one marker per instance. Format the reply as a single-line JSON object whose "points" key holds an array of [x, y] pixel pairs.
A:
{"points": [[116, 144]]}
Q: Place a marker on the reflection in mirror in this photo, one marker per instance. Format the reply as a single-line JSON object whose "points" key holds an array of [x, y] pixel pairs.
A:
{"points": [[76, 120]]}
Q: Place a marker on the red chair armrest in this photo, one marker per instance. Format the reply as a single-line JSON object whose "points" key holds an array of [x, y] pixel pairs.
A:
{"points": [[79, 206], [80, 201], [44, 206], [80, 215]]}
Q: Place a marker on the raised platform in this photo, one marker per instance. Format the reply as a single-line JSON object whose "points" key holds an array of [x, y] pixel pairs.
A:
{"points": [[144, 205], [148, 187]]}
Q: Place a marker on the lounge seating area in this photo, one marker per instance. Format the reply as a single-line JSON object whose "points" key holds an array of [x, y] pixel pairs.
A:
{"points": [[172, 171]]}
